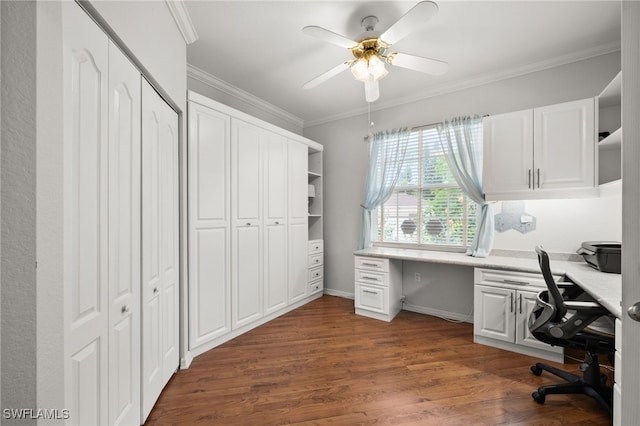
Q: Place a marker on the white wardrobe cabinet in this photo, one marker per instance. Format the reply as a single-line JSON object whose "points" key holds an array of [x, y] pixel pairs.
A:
{"points": [[547, 152], [102, 226], [160, 268], [120, 231], [248, 222]]}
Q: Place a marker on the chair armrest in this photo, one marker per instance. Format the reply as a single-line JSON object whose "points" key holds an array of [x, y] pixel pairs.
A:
{"points": [[585, 306]]}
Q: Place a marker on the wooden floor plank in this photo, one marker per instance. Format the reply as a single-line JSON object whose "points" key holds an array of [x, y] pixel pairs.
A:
{"points": [[323, 364]]}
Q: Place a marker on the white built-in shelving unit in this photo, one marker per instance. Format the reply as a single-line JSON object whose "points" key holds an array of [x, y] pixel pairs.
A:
{"points": [[609, 120]]}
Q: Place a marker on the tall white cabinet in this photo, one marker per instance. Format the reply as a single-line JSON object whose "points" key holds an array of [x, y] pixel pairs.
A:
{"points": [[108, 170], [248, 222]]}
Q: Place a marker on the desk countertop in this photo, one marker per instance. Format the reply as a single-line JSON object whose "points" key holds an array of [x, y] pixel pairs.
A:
{"points": [[605, 288]]}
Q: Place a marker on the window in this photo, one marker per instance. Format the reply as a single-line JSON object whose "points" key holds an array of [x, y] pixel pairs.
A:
{"points": [[427, 206]]}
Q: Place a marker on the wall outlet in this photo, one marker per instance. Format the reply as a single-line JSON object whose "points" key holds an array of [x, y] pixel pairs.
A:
{"points": [[417, 277]]}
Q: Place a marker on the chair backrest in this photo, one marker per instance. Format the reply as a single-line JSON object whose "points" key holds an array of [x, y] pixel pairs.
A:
{"points": [[556, 297]]}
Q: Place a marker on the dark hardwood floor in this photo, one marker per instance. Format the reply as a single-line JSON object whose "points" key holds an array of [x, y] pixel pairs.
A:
{"points": [[323, 364]]}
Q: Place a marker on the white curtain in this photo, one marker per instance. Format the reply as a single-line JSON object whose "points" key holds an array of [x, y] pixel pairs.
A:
{"points": [[385, 161], [461, 140]]}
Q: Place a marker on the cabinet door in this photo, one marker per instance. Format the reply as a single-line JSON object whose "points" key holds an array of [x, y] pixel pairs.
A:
{"points": [[526, 303], [275, 218], [494, 313], [298, 182], [565, 146], [124, 240], [160, 271], [508, 154], [246, 277], [298, 277], [209, 224], [85, 193]]}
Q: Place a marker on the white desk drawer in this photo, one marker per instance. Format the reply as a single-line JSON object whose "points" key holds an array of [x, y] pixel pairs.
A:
{"points": [[316, 260], [316, 286], [372, 298], [511, 279], [370, 277], [316, 273], [316, 246], [372, 263]]}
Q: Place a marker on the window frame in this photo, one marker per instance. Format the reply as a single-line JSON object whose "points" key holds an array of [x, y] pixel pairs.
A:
{"points": [[379, 216]]}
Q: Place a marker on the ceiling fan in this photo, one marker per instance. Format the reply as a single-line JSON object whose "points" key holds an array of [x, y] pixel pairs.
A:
{"points": [[371, 50]]}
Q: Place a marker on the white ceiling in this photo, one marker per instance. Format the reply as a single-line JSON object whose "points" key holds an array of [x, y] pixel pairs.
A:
{"points": [[259, 47]]}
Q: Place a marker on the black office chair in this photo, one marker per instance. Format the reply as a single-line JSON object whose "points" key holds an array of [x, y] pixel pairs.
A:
{"points": [[566, 316]]}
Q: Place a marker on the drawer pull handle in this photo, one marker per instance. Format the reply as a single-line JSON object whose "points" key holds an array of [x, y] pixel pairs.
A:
{"points": [[375, 265], [520, 301], [515, 282], [364, 277], [370, 292]]}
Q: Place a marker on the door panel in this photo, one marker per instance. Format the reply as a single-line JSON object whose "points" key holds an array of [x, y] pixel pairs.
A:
{"points": [[275, 267], [494, 313], [508, 152], [565, 145], [246, 287], [160, 270], [85, 156], [298, 278], [124, 240]]}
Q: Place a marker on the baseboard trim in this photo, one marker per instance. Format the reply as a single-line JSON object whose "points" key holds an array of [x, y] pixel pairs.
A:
{"points": [[343, 294], [455, 316]]}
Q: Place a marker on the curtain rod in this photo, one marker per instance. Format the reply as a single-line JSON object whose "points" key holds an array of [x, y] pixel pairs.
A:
{"points": [[367, 138]]}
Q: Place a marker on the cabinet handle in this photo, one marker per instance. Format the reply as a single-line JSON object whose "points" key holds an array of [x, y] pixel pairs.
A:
{"points": [[317, 260], [155, 290], [124, 310], [529, 184], [515, 282], [369, 291], [511, 303], [520, 302], [538, 171], [375, 265], [248, 223], [364, 277]]}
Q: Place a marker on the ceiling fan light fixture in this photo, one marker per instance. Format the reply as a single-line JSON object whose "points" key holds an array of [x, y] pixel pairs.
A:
{"points": [[360, 69], [371, 90], [376, 68]]}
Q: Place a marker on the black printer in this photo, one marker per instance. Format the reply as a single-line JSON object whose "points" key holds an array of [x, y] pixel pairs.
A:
{"points": [[604, 256]]}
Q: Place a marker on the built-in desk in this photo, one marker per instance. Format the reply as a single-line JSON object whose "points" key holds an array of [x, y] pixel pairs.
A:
{"points": [[605, 288]]}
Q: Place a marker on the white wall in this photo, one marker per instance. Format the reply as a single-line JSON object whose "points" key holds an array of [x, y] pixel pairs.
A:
{"points": [[18, 201], [346, 155]]}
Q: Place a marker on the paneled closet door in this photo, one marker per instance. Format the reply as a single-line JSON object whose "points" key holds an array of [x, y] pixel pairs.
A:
{"points": [[160, 269], [86, 274], [275, 229], [298, 221], [246, 279], [124, 240], [209, 224]]}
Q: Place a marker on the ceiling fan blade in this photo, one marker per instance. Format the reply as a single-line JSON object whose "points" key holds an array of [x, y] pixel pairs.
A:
{"points": [[418, 63], [330, 36], [416, 16], [326, 76]]}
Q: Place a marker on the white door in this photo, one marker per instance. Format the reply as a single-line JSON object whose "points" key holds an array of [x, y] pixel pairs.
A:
{"points": [[494, 314], [209, 224], [85, 62], [246, 183], [275, 222], [565, 145], [124, 240], [630, 207], [508, 153], [298, 165], [159, 245]]}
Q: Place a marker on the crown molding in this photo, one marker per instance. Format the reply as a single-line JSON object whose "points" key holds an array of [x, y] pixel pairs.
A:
{"points": [[489, 78], [181, 15], [231, 90]]}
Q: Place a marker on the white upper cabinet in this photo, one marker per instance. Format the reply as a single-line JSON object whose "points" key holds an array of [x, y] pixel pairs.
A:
{"points": [[547, 152]]}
